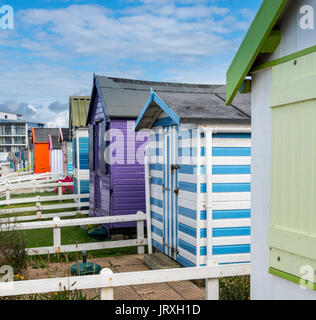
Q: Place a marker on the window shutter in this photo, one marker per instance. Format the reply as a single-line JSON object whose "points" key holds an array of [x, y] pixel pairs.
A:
{"points": [[292, 230], [91, 147]]}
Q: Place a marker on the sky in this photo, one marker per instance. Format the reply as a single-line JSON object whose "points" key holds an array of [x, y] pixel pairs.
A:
{"points": [[57, 45]]}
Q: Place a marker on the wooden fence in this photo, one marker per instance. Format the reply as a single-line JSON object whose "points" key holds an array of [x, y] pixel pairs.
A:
{"points": [[107, 280], [56, 224], [31, 178], [41, 203]]}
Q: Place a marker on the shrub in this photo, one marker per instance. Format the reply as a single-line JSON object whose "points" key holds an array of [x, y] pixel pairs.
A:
{"points": [[12, 248], [234, 288]]}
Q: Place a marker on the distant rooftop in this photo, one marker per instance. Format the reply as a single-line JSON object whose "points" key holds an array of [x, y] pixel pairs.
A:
{"points": [[78, 110]]}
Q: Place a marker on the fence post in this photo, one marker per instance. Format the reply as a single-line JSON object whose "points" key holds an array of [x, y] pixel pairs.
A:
{"points": [[60, 191], [140, 234], [106, 293], [7, 191], [38, 205], [57, 235], [212, 284]]}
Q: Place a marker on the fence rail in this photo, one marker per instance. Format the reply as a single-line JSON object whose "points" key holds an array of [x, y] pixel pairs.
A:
{"points": [[36, 186], [56, 224], [26, 176], [107, 280], [42, 203]]}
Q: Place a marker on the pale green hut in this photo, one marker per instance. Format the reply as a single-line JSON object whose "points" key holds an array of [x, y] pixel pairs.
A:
{"points": [[277, 63]]}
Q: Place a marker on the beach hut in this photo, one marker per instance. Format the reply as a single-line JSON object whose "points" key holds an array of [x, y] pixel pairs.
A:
{"points": [[116, 154], [78, 110], [48, 156], [40, 144], [199, 160], [276, 61]]}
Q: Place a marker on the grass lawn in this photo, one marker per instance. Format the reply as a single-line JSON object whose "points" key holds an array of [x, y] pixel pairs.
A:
{"points": [[69, 235]]}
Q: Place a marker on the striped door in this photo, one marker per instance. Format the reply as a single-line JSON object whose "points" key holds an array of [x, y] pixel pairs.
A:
{"points": [[169, 187]]}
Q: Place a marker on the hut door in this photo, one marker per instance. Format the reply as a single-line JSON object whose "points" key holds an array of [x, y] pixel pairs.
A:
{"points": [[170, 189]]}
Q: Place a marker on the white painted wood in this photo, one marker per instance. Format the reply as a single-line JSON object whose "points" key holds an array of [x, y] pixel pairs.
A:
{"points": [[190, 257], [191, 240], [157, 224], [212, 284], [57, 235], [34, 185], [217, 143], [86, 246], [210, 196], [43, 199], [198, 198], [224, 178], [157, 209], [227, 161], [156, 173], [229, 258], [219, 223], [76, 222], [107, 293], [140, 234], [190, 222], [226, 241], [48, 207], [44, 216]]}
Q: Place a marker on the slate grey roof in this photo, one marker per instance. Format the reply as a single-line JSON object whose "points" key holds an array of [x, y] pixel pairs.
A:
{"points": [[42, 135], [124, 98], [198, 107], [201, 106]]}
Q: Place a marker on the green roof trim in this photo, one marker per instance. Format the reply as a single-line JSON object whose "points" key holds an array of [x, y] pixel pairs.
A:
{"points": [[252, 44], [78, 110], [290, 277]]}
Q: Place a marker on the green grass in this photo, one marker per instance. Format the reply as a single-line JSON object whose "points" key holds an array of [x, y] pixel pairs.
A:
{"points": [[69, 235], [33, 204]]}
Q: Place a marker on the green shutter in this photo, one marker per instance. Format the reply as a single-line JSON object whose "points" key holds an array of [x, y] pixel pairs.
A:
{"points": [[292, 230]]}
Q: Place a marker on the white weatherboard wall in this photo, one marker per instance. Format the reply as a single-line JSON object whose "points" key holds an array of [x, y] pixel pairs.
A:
{"points": [[179, 224], [56, 161], [265, 286]]}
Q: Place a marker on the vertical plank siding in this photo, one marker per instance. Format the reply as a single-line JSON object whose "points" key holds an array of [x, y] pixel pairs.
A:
{"points": [[120, 187], [81, 161], [127, 180]]}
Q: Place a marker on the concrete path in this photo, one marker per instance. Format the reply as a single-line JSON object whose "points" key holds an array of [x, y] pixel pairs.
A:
{"points": [[180, 290]]}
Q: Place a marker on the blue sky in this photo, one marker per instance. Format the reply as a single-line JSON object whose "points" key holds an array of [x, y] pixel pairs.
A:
{"points": [[56, 47]]}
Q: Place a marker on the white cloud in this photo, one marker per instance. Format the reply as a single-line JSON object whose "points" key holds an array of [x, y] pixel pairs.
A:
{"points": [[63, 47]]}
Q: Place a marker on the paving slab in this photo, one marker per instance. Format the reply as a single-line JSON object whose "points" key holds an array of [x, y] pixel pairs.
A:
{"points": [[179, 290]]}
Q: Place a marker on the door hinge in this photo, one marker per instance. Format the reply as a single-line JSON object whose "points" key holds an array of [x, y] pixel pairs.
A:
{"points": [[174, 251]]}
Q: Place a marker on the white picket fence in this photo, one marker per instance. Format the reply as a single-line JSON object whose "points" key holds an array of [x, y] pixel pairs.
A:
{"points": [[106, 281], [56, 224], [42, 205], [31, 178]]}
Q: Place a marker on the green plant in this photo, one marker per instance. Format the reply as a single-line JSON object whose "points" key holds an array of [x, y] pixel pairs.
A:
{"points": [[64, 295], [13, 247], [234, 288]]}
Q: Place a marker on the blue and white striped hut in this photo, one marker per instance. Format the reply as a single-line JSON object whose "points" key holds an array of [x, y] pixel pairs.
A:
{"points": [[199, 160]]}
